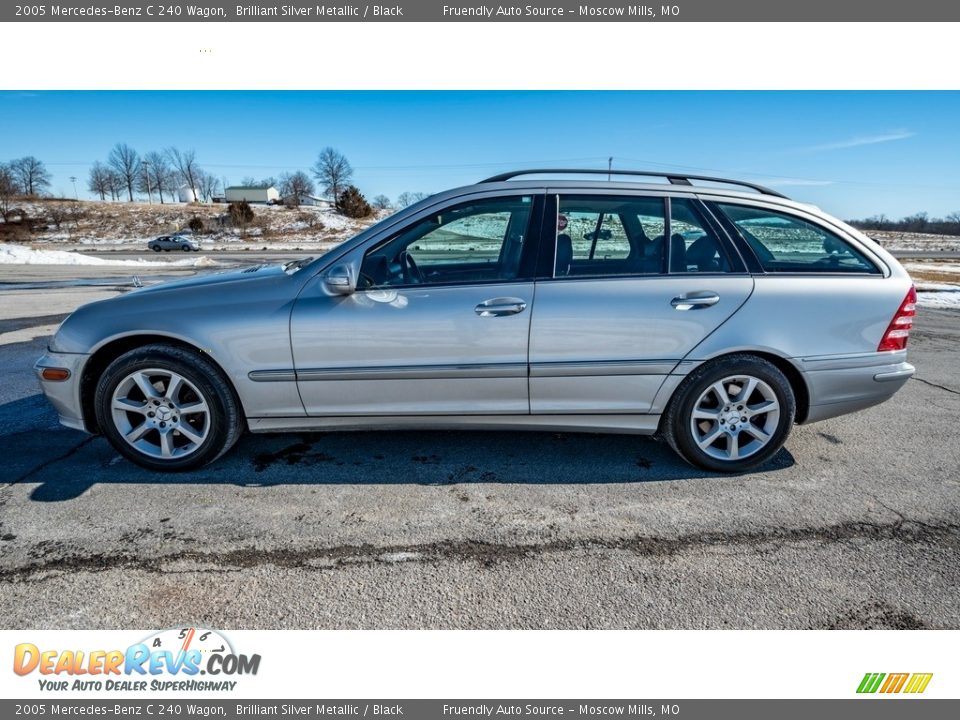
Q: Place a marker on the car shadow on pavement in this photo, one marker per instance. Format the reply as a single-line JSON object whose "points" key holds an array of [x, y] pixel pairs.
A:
{"points": [[64, 464]]}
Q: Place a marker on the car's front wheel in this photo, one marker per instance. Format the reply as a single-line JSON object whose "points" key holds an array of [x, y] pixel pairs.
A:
{"points": [[167, 408], [155, 248], [731, 414]]}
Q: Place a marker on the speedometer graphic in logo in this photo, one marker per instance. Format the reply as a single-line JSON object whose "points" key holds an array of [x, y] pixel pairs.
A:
{"points": [[184, 639]]}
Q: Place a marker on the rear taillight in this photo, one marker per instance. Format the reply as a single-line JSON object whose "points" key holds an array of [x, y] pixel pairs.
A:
{"points": [[898, 332]]}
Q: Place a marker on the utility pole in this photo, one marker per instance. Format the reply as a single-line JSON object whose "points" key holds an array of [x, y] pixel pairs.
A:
{"points": [[609, 167]]}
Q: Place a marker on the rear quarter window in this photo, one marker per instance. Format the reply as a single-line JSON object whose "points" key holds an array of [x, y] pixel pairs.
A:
{"points": [[788, 244]]}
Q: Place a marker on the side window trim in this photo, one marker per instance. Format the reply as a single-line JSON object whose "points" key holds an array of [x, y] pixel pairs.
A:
{"points": [[734, 257], [736, 240]]}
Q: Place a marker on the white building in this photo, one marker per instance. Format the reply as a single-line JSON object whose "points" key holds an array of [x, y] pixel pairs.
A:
{"points": [[311, 201], [188, 194], [236, 193]]}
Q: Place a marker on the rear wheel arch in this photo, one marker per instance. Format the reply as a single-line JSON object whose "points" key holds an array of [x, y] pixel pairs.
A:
{"points": [[798, 384], [801, 392], [759, 390], [110, 351]]}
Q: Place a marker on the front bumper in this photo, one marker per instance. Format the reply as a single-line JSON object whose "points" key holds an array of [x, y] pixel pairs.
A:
{"points": [[64, 395], [843, 385]]}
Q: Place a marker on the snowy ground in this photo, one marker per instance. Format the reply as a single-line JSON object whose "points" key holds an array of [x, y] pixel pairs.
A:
{"points": [[914, 241], [938, 283], [22, 255], [125, 226]]}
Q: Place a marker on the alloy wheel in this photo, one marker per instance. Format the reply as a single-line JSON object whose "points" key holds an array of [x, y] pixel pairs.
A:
{"points": [[735, 417], [160, 413]]}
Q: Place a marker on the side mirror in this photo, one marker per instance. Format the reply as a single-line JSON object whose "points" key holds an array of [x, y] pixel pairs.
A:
{"points": [[339, 280]]}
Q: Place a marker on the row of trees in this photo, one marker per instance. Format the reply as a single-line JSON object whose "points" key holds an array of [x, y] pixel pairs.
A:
{"points": [[919, 222], [160, 171], [125, 173]]}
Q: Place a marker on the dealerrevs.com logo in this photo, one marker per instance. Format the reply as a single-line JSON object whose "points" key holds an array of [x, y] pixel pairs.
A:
{"points": [[910, 683], [178, 659]]}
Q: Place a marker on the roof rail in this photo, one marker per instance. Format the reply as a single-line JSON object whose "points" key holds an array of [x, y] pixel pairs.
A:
{"points": [[674, 178]]}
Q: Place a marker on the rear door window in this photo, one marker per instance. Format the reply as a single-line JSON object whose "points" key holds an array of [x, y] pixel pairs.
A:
{"points": [[601, 235], [785, 243]]}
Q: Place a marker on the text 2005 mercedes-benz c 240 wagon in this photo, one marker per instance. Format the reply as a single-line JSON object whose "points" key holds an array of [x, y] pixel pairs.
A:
{"points": [[714, 317]]}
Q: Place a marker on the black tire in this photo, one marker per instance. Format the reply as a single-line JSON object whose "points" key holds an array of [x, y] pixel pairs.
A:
{"points": [[155, 248], [186, 248], [224, 414], [677, 426]]}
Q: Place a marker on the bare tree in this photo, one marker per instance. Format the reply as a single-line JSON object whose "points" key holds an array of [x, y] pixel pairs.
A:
{"points": [[116, 184], [8, 191], [186, 167], [159, 175], [295, 187], [30, 175], [381, 202], [125, 162], [208, 185], [406, 199], [99, 180], [332, 171]]}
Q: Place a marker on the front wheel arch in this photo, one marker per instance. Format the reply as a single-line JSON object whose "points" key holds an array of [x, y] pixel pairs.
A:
{"points": [[113, 349]]}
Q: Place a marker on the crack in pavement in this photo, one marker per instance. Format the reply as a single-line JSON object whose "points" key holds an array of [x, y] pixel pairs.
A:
{"points": [[486, 553], [935, 385]]}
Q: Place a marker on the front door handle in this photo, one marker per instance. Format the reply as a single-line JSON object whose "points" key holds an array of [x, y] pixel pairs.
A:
{"points": [[694, 300], [497, 307]]}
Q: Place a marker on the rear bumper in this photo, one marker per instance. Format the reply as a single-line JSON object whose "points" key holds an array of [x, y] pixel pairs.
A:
{"points": [[64, 395], [841, 385]]}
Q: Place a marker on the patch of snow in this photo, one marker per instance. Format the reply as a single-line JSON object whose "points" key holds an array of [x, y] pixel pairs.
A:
{"points": [[937, 267], [924, 286], [939, 298], [23, 255]]}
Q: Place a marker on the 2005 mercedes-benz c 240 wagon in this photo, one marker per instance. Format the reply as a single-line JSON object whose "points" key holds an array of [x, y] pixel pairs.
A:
{"points": [[714, 317]]}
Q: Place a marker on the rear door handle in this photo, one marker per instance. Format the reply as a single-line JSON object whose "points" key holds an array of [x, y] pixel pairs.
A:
{"points": [[497, 307], [694, 300]]}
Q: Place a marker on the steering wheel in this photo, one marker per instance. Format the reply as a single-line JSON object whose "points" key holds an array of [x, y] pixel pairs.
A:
{"points": [[411, 273]]}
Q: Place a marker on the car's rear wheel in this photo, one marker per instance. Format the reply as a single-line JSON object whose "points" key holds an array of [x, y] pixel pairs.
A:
{"points": [[186, 248], [167, 408], [731, 414]]}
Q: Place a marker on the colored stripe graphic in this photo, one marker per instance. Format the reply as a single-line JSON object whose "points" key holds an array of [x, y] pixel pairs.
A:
{"points": [[870, 682], [918, 682], [894, 683]]}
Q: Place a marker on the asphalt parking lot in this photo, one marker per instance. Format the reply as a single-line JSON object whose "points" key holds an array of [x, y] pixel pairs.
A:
{"points": [[855, 524]]}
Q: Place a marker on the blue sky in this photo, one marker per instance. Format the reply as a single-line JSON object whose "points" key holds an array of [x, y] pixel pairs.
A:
{"points": [[853, 153]]}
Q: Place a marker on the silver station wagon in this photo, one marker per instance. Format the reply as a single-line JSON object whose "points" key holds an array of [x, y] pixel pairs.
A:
{"points": [[713, 313]]}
